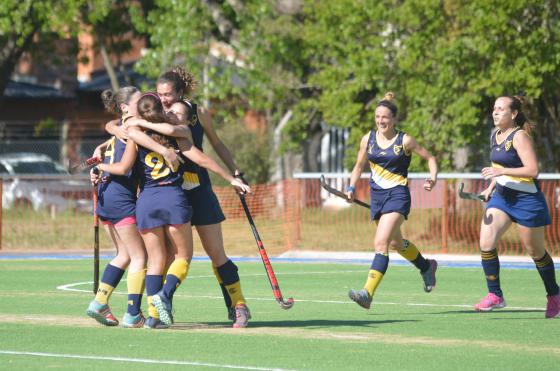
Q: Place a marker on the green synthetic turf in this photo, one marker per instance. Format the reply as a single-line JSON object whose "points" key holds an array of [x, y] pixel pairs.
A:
{"points": [[324, 330]]}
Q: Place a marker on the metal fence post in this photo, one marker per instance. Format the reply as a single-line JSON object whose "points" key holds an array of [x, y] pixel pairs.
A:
{"points": [[445, 218], [1, 193]]}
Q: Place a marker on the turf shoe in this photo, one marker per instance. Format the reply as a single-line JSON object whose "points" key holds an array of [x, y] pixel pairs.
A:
{"points": [[429, 276], [101, 313], [130, 321], [154, 324], [361, 297], [552, 306], [231, 314], [490, 301], [242, 316], [164, 307]]}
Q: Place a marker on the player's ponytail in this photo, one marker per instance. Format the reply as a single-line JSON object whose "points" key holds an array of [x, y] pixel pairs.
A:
{"points": [[112, 100], [183, 82], [521, 119]]}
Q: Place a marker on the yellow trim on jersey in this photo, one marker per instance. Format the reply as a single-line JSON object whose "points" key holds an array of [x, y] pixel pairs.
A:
{"points": [[518, 183], [384, 178], [190, 180]]}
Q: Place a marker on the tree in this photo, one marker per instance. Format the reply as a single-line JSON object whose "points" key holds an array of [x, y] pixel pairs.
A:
{"points": [[23, 21]]}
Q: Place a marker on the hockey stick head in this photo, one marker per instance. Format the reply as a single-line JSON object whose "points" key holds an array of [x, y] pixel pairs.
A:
{"points": [[286, 304], [92, 161], [469, 196]]}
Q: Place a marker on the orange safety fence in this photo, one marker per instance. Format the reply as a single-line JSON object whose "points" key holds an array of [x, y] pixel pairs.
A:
{"points": [[41, 213]]}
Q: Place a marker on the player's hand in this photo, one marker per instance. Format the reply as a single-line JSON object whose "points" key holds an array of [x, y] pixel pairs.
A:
{"points": [[487, 193], [491, 172], [172, 159], [97, 152], [239, 186], [94, 176], [121, 133], [429, 184], [133, 122], [239, 175], [350, 194]]}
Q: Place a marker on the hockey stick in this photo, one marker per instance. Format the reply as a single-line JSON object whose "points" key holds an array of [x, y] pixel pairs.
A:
{"points": [[470, 196], [340, 194], [92, 161], [95, 238], [270, 273]]}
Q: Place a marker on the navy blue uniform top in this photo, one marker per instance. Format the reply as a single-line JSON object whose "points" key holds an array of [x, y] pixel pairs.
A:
{"points": [[195, 175], [117, 193], [154, 171], [389, 166], [504, 155]]}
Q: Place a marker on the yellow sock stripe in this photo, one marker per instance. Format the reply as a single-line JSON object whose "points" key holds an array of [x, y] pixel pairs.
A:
{"points": [[103, 293], [489, 255], [152, 311], [235, 294], [135, 282], [545, 260], [217, 274], [410, 252], [179, 268], [373, 281]]}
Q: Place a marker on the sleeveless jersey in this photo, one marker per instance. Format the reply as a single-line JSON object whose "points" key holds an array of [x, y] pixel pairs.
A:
{"points": [[154, 171], [194, 175], [389, 166], [504, 155], [117, 193]]}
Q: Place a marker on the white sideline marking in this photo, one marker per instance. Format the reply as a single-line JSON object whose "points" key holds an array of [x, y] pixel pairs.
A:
{"points": [[136, 360]]}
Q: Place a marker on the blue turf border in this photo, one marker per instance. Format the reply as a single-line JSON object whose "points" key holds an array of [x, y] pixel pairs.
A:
{"points": [[441, 263]]}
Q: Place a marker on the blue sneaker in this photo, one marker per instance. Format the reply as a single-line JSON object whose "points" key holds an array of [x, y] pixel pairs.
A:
{"points": [[101, 313], [164, 307], [130, 321], [361, 297], [154, 324]]}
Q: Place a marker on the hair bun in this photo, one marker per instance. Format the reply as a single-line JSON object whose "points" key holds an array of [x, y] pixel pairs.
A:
{"points": [[389, 96]]}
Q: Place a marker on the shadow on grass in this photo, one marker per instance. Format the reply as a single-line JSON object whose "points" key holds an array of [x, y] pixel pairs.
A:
{"points": [[294, 324], [485, 313]]}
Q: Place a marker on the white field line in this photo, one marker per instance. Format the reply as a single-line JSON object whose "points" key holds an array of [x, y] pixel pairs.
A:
{"points": [[71, 287], [135, 360]]}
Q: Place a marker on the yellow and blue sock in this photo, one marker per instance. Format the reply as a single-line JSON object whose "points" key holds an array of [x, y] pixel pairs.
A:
{"points": [[410, 252], [176, 274], [545, 267], [135, 283], [230, 279], [378, 268], [111, 278], [491, 267], [227, 299], [154, 283]]}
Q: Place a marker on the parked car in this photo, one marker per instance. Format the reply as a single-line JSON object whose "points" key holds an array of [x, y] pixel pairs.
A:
{"points": [[58, 192]]}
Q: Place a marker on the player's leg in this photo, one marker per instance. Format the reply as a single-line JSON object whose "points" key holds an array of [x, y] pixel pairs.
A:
{"points": [[130, 239], [154, 240], [533, 240], [180, 239], [99, 307], [494, 224], [410, 252], [226, 272], [386, 226]]}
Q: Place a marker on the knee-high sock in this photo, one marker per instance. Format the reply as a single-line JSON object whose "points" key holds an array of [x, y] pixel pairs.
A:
{"points": [[230, 279], [135, 283], [111, 278], [491, 267], [227, 299], [154, 283], [176, 274], [377, 271], [545, 267], [410, 252]]}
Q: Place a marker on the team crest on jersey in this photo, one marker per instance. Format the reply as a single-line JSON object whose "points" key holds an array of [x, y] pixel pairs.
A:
{"points": [[382, 153], [397, 149], [370, 149], [508, 145]]}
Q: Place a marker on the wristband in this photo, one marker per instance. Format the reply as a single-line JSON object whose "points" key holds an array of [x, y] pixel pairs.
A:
{"points": [[351, 189]]}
